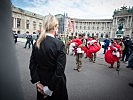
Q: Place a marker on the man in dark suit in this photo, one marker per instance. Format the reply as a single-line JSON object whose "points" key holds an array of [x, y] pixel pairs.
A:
{"points": [[15, 37], [47, 63], [29, 39]]}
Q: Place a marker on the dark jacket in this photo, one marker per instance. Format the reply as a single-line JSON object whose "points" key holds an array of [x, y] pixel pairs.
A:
{"points": [[106, 42], [47, 65], [127, 43], [130, 61]]}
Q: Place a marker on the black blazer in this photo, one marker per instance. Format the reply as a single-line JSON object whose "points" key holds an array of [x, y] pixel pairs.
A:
{"points": [[47, 64]]}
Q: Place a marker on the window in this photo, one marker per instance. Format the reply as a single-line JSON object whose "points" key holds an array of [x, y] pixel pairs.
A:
{"points": [[18, 22], [84, 27], [76, 27], [80, 27], [93, 28], [102, 35], [92, 34], [88, 28], [102, 28], [34, 25], [129, 19], [27, 24], [97, 34]]}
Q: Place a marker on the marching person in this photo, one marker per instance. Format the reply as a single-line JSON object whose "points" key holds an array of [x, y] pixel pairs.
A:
{"points": [[79, 53], [89, 38], [114, 54], [47, 63], [93, 48]]}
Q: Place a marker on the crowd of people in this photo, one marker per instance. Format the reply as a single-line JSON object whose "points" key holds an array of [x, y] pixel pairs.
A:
{"points": [[79, 46], [115, 50]]}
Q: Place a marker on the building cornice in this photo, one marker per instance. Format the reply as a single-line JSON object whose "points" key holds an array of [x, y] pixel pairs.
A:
{"points": [[26, 13]]}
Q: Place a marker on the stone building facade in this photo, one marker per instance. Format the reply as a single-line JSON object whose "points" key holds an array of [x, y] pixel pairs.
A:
{"points": [[74, 26], [123, 16], [93, 27], [25, 22]]}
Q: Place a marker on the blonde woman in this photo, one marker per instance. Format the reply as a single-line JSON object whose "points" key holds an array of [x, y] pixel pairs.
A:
{"points": [[47, 63]]}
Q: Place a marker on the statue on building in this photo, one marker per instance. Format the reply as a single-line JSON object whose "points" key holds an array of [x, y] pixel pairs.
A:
{"points": [[120, 31]]}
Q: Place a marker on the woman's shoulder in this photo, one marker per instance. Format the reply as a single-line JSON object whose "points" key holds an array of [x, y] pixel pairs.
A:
{"points": [[56, 41]]}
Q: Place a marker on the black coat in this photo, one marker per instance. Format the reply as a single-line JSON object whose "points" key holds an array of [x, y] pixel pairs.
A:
{"points": [[47, 65], [130, 61]]}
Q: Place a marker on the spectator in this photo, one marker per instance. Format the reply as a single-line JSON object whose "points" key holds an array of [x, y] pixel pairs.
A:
{"points": [[47, 63], [15, 37], [106, 45], [126, 52], [29, 38]]}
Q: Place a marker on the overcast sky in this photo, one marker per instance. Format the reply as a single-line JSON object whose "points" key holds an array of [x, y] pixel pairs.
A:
{"points": [[88, 9]]}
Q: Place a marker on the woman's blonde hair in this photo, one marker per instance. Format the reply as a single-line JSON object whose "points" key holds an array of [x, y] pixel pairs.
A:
{"points": [[49, 22]]}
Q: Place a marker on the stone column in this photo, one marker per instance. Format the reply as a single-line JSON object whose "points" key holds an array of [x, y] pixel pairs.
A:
{"points": [[131, 21], [116, 21], [13, 23], [127, 21]]}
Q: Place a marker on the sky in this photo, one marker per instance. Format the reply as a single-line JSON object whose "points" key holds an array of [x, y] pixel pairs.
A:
{"points": [[83, 9]]}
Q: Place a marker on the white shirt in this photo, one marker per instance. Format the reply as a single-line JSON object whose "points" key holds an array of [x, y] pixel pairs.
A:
{"points": [[49, 34]]}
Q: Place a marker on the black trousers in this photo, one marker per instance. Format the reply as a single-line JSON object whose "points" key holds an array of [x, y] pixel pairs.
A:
{"points": [[27, 42], [125, 55], [105, 48]]}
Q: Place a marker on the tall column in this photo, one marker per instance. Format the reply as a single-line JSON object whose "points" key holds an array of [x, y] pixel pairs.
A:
{"points": [[130, 21], [104, 25], [15, 22], [90, 26], [116, 21], [113, 21], [127, 21]]}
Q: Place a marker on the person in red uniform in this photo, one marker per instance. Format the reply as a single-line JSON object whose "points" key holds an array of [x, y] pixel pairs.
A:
{"points": [[78, 52], [93, 48], [114, 53]]}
